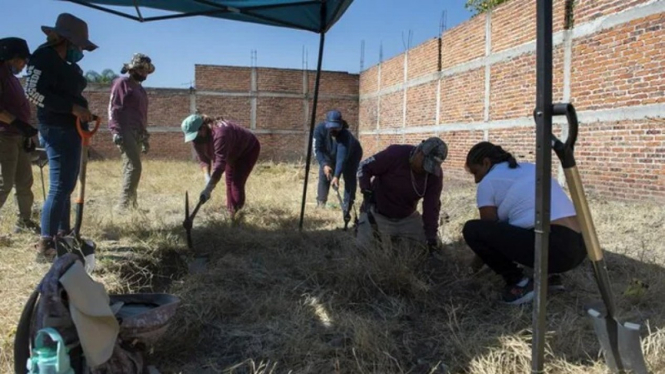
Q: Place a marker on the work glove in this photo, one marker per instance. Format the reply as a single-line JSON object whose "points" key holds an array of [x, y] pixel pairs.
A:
{"points": [[117, 140], [29, 145], [145, 144], [205, 194], [145, 147], [25, 128]]}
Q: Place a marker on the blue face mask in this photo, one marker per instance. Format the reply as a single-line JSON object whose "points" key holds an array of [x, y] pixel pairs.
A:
{"points": [[74, 55]]}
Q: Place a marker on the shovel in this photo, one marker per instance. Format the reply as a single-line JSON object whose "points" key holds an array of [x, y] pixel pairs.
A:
{"points": [[189, 220], [620, 341]]}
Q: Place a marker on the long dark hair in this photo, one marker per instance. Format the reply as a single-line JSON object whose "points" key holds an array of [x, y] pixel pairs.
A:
{"points": [[494, 153]]}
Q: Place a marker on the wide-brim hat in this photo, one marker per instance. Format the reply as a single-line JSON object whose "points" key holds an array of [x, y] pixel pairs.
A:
{"points": [[13, 47], [73, 29]]}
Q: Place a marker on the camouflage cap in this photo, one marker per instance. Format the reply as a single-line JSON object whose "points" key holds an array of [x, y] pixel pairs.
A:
{"points": [[139, 60], [435, 151]]}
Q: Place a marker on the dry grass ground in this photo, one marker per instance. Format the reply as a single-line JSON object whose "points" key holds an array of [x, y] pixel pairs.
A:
{"points": [[272, 300]]}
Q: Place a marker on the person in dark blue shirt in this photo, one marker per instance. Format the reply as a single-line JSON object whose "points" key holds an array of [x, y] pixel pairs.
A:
{"points": [[325, 149], [348, 153]]}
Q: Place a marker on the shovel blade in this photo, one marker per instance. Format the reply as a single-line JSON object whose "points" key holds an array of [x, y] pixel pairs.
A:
{"points": [[630, 347], [608, 336]]}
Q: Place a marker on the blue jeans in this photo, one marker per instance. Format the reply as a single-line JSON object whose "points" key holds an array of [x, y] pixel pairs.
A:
{"points": [[63, 148]]}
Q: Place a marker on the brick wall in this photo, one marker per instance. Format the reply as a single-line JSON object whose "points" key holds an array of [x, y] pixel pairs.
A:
{"points": [[282, 102], [609, 64]]}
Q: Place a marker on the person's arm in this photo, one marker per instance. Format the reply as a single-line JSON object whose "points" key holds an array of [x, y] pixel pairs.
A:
{"points": [[119, 92], [319, 145], [485, 201], [432, 208], [343, 149], [375, 165], [220, 155], [40, 80]]}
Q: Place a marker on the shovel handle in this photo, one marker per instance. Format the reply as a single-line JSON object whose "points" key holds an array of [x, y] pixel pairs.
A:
{"points": [[86, 135]]}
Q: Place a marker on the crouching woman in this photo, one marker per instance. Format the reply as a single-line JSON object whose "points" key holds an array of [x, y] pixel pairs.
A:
{"points": [[223, 147], [504, 235]]}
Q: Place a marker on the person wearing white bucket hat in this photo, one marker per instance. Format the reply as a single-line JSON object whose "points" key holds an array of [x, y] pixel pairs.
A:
{"points": [[55, 84], [128, 120]]}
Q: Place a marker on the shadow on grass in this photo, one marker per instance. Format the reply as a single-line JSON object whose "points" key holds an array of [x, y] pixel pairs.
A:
{"points": [[271, 298]]}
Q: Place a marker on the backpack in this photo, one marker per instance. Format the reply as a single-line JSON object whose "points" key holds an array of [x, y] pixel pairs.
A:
{"points": [[48, 307]]}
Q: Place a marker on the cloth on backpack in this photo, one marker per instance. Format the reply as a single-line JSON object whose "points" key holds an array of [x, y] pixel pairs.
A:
{"points": [[89, 308]]}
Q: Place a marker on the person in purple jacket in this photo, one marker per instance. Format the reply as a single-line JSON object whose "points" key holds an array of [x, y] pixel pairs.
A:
{"points": [[392, 182], [16, 133], [128, 118], [222, 146]]}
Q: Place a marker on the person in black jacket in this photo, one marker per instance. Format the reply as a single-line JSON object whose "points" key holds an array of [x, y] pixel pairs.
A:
{"points": [[325, 149], [348, 154], [55, 84]]}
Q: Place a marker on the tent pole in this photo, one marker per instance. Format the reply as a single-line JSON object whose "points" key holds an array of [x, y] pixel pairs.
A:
{"points": [[311, 129], [543, 118]]}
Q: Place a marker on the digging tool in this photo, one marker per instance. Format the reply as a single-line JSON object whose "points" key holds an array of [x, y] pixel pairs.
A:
{"points": [[41, 162], [620, 341], [189, 220], [86, 247], [345, 214]]}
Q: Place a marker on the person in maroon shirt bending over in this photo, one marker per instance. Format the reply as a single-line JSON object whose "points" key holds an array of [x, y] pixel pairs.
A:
{"points": [[128, 118], [16, 133], [223, 146], [392, 182]]}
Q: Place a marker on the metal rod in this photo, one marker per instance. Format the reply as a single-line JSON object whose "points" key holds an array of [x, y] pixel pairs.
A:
{"points": [[312, 122], [543, 117]]}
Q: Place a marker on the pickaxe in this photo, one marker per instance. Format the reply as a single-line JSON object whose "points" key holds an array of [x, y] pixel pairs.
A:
{"points": [[189, 220]]}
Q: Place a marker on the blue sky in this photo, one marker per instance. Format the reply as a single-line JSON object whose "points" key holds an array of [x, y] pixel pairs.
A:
{"points": [[176, 45]]}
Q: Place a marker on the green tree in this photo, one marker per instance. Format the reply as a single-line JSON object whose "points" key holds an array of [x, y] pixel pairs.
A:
{"points": [[481, 6], [106, 77]]}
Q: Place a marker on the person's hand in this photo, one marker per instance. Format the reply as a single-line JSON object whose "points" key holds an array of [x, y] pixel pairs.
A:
{"points": [[327, 171], [335, 183], [117, 140], [145, 147], [368, 200], [205, 194], [29, 145], [432, 245], [82, 113], [25, 128]]}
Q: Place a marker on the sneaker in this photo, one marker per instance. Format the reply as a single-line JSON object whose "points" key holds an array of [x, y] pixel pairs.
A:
{"points": [[519, 293], [555, 283], [27, 226], [320, 204]]}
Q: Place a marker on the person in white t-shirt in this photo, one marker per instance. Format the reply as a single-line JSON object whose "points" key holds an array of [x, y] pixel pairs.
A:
{"points": [[504, 235]]}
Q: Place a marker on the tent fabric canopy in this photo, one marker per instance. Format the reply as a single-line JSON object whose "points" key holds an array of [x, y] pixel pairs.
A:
{"points": [[296, 14]]}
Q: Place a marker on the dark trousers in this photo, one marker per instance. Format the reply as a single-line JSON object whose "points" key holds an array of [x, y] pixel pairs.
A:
{"points": [[236, 178], [323, 187], [501, 246], [350, 182]]}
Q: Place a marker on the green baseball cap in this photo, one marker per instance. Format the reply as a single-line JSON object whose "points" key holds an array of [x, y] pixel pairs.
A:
{"points": [[190, 126]]}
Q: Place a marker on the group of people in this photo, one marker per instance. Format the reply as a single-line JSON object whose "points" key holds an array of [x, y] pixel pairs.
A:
{"points": [[392, 182]]}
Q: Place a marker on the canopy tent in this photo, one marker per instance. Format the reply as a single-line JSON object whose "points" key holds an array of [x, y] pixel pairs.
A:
{"points": [[310, 15]]}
